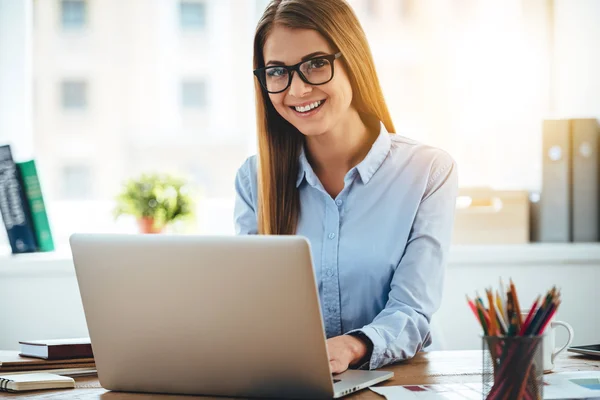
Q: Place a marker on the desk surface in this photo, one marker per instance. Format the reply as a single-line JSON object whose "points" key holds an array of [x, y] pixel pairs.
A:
{"points": [[426, 368]]}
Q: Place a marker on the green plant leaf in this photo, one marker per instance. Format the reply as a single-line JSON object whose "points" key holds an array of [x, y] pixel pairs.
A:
{"points": [[163, 197]]}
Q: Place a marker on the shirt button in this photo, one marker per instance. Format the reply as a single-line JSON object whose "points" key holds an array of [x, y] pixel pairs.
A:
{"points": [[338, 202], [330, 272], [331, 309], [331, 235]]}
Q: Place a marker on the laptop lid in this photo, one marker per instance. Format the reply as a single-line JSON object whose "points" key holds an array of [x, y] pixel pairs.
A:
{"points": [[229, 316]]}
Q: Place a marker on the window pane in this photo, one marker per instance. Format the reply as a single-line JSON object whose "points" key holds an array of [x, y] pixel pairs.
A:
{"points": [[193, 15], [76, 182], [73, 14], [74, 94], [261, 5], [406, 9], [193, 94], [370, 7]]}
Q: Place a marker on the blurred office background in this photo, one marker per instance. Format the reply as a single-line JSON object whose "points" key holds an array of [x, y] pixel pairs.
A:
{"points": [[115, 88], [101, 90]]}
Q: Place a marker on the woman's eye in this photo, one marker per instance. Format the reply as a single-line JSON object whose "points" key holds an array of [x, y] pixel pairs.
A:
{"points": [[276, 72], [318, 63]]}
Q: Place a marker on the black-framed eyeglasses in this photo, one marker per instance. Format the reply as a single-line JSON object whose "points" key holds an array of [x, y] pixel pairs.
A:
{"points": [[315, 71]]}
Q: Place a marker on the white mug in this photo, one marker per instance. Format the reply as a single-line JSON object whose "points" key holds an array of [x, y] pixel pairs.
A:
{"points": [[550, 349]]}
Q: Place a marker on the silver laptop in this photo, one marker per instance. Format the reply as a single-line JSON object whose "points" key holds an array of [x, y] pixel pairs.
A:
{"points": [[226, 316]]}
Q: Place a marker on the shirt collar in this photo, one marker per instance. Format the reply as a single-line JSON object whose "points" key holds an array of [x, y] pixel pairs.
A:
{"points": [[366, 168]]}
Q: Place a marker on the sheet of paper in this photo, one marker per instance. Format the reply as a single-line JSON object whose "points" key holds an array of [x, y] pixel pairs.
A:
{"points": [[470, 391], [572, 385], [559, 386]]}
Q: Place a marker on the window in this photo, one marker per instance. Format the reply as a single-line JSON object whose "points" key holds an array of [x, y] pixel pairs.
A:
{"points": [[73, 14], [187, 106], [76, 182], [193, 94], [371, 7], [192, 15], [407, 8], [74, 95], [261, 6]]}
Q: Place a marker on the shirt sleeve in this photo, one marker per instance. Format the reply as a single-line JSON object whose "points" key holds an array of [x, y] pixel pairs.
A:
{"points": [[401, 329], [244, 215]]}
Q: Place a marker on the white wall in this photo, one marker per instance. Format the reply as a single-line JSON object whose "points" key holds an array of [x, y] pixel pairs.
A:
{"points": [[40, 300], [15, 77], [40, 296], [578, 284]]}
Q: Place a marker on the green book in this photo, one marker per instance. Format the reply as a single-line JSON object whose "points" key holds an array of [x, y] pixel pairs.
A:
{"points": [[33, 190]]}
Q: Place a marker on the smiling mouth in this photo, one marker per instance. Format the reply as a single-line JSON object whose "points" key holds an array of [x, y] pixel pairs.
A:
{"points": [[309, 107]]}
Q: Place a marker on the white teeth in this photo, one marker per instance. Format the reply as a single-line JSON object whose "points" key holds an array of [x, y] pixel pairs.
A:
{"points": [[308, 107]]}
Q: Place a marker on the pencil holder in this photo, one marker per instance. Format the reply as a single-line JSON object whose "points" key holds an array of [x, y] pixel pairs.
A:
{"points": [[513, 367]]}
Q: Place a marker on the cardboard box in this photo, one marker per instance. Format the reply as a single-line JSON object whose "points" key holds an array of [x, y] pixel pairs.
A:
{"points": [[486, 216]]}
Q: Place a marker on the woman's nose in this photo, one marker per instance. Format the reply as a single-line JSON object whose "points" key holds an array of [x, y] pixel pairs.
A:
{"points": [[299, 88]]}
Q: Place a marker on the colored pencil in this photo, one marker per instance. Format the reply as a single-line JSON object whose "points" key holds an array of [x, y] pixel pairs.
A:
{"points": [[476, 312], [509, 309], [516, 301], [501, 307], [493, 319], [532, 311], [502, 290], [539, 315], [551, 315], [481, 313], [503, 325]]}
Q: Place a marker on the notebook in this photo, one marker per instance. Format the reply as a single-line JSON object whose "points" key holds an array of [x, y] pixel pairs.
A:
{"points": [[57, 349], [20, 382]]}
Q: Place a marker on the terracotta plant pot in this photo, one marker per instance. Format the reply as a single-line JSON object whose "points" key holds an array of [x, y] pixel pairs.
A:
{"points": [[146, 225]]}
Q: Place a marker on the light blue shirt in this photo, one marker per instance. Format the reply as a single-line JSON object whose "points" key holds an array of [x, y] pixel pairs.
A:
{"points": [[379, 248]]}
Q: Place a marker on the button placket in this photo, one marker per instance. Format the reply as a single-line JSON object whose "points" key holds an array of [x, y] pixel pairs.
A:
{"points": [[330, 277]]}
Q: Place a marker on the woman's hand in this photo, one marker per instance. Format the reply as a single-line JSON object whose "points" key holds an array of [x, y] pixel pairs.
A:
{"points": [[344, 350]]}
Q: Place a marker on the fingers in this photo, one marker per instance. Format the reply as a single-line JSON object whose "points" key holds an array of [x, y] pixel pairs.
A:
{"points": [[336, 366]]}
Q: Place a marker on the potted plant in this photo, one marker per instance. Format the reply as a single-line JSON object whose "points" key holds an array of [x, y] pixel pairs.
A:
{"points": [[155, 200]]}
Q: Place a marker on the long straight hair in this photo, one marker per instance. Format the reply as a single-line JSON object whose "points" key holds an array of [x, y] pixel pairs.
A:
{"points": [[279, 142]]}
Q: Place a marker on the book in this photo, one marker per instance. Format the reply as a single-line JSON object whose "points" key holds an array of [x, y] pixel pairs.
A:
{"points": [[36, 381], [585, 143], [57, 349], [14, 207], [12, 361], [79, 371], [555, 204], [46, 367], [37, 208]]}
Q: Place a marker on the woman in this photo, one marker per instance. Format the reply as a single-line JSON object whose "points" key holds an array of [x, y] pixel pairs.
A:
{"points": [[376, 207]]}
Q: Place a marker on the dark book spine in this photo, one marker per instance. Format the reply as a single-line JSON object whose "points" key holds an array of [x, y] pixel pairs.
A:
{"points": [[14, 206], [58, 352]]}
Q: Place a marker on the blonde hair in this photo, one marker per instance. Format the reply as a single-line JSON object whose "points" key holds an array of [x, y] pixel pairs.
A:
{"points": [[279, 142]]}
